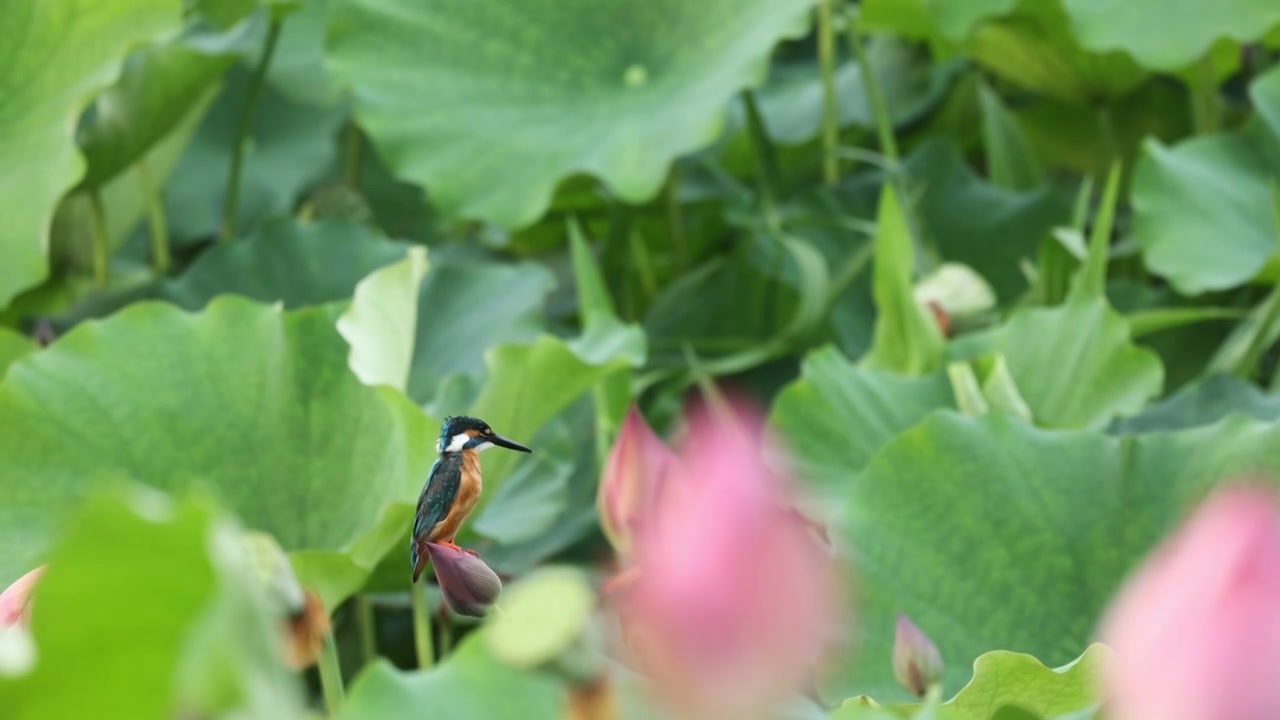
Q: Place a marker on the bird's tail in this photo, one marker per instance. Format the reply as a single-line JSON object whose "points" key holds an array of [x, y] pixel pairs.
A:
{"points": [[417, 558]]}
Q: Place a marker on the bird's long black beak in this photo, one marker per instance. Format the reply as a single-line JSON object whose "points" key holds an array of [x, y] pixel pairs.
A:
{"points": [[502, 442]]}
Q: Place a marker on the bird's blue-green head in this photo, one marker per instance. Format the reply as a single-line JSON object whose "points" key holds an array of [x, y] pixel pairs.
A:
{"points": [[463, 432]]}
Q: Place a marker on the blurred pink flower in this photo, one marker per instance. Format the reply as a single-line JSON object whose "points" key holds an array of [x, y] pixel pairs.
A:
{"points": [[634, 476], [468, 585], [917, 664], [1196, 628], [733, 602], [15, 601]]}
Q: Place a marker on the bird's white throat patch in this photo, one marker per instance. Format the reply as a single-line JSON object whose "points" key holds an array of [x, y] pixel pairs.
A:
{"points": [[484, 446]]}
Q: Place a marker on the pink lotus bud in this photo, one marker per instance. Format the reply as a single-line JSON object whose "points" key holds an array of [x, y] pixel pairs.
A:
{"points": [[1196, 629], [15, 601], [916, 661], [733, 601], [634, 475], [469, 586]]}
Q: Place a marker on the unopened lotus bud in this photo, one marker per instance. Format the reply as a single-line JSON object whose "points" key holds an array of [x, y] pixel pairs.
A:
{"points": [[634, 473], [469, 586], [305, 619], [916, 661]]}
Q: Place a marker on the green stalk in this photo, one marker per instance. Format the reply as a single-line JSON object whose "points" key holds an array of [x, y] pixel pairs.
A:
{"points": [[675, 218], [766, 160], [830, 121], [1204, 97], [331, 676], [256, 83], [879, 108], [351, 162], [366, 628], [1261, 340], [158, 224], [446, 632], [422, 628], [1107, 131], [98, 236]]}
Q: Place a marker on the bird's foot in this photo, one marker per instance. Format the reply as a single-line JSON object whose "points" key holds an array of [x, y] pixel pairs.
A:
{"points": [[455, 546]]}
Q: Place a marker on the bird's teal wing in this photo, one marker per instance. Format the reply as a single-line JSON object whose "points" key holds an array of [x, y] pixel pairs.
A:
{"points": [[437, 496]]}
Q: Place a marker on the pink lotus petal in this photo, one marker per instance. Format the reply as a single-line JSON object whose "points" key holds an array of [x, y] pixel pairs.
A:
{"points": [[633, 480], [1196, 628], [733, 602], [469, 586], [15, 601]]}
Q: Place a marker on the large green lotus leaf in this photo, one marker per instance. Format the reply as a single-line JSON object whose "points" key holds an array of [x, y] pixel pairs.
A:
{"points": [[253, 401], [1003, 680], [295, 262], [290, 146], [1216, 186], [527, 386], [1011, 162], [178, 624], [791, 101], [157, 88], [13, 345], [464, 308], [989, 228], [490, 106], [56, 55], [380, 322], [992, 534], [1185, 33], [1065, 135], [469, 684], [1034, 47], [1076, 365], [1203, 403], [297, 69], [837, 403]]}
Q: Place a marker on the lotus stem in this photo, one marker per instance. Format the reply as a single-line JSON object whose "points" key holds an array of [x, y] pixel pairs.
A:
{"points": [[422, 627], [879, 108], [830, 121], [157, 223], [331, 675], [98, 236], [256, 83], [366, 627]]}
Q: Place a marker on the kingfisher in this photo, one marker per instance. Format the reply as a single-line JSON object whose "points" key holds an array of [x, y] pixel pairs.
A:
{"points": [[453, 484]]}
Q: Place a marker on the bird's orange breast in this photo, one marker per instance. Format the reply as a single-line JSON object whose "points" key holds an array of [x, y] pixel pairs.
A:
{"points": [[463, 502]]}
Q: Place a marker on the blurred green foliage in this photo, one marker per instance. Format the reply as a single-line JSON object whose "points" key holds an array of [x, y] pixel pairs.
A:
{"points": [[277, 241]]}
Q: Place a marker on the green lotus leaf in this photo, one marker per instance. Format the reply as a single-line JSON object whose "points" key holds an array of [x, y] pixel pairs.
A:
{"points": [[290, 146], [1185, 33], [157, 88], [297, 263], [978, 223], [1077, 366], [380, 322], [59, 54], [1217, 186], [250, 400], [837, 403], [469, 684], [491, 105], [13, 346], [1203, 403], [992, 534], [1006, 685], [177, 623], [466, 307]]}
